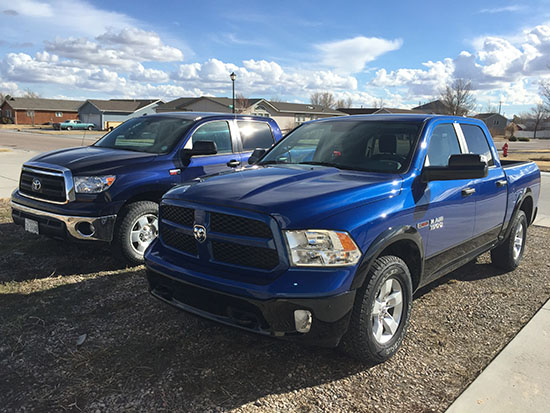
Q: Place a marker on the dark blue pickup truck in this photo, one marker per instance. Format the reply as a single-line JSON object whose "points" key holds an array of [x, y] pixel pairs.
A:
{"points": [[328, 235], [110, 191]]}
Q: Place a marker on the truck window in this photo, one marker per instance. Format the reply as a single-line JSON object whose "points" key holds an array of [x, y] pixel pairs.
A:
{"points": [[477, 142], [255, 135], [217, 132], [443, 144]]}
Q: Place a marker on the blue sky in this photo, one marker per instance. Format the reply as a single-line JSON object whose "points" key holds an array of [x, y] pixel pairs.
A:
{"points": [[401, 52]]}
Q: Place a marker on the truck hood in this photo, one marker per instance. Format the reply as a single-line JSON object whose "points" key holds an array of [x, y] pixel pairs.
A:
{"points": [[294, 193], [92, 159]]}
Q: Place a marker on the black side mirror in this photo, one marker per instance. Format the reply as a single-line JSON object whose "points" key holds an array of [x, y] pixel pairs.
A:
{"points": [[200, 148], [463, 166], [256, 155]]}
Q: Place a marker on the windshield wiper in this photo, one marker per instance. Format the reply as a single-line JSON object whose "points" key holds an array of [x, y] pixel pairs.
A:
{"points": [[271, 162], [322, 164]]}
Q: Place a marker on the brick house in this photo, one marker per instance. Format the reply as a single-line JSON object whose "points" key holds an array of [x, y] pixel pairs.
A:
{"points": [[38, 111]]}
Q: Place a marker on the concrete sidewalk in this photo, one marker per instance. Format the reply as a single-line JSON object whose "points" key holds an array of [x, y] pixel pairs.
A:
{"points": [[10, 169], [518, 379]]}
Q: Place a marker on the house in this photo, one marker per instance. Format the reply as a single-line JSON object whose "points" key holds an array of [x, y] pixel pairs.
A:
{"points": [[436, 107], [38, 111], [494, 121], [106, 114], [287, 115]]}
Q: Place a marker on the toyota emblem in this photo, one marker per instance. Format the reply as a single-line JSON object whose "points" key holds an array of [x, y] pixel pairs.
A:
{"points": [[200, 233], [36, 184]]}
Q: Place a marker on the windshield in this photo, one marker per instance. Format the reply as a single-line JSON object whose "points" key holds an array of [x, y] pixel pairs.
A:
{"points": [[376, 146], [146, 134]]}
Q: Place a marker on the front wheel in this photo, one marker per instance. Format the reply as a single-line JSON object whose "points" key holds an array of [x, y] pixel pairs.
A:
{"points": [[137, 228], [69, 128], [381, 312], [507, 255], [90, 128]]}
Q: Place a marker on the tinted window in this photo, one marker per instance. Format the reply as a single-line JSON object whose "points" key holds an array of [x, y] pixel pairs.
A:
{"points": [[217, 132], [255, 135], [146, 134], [443, 144], [477, 142], [360, 145]]}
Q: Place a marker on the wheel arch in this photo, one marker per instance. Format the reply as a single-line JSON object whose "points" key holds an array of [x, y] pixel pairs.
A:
{"points": [[404, 242]]}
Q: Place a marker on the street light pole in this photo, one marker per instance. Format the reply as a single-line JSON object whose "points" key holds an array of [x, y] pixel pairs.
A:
{"points": [[233, 76]]}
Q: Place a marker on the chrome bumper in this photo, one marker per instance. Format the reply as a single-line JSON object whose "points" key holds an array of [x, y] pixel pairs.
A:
{"points": [[97, 228]]}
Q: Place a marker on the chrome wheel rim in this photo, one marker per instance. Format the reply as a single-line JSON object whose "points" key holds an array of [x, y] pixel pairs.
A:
{"points": [[518, 241], [144, 231], [387, 311]]}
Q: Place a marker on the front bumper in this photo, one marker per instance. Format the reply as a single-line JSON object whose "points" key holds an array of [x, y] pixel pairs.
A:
{"points": [[274, 317], [59, 226]]}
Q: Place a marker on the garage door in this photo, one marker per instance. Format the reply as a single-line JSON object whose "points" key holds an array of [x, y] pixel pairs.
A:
{"points": [[92, 118]]}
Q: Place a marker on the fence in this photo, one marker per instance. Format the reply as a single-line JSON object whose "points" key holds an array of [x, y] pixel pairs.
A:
{"points": [[541, 134]]}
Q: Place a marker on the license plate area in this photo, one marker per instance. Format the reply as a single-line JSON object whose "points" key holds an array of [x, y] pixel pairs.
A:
{"points": [[31, 226]]}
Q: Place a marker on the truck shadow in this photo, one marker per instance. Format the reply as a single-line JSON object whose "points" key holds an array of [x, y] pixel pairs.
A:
{"points": [[24, 256]]}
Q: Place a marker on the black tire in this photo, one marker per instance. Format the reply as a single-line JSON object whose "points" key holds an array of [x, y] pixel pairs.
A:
{"points": [[69, 128], [507, 255], [90, 128], [359, 341], [130, 221]]}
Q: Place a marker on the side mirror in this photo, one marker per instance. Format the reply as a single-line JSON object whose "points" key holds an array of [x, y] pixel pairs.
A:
{"points": [[200, 148], [256, 156], [463, 166]]}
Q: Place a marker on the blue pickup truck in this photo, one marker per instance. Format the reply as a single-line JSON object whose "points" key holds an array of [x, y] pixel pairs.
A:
{"points": [[109, 191], [326, 237]]}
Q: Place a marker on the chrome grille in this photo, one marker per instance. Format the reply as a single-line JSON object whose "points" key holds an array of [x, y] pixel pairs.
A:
{"points": [[51, 185]]}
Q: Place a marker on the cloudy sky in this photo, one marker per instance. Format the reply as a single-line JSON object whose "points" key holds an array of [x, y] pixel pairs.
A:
{"points": [[400, 51]]}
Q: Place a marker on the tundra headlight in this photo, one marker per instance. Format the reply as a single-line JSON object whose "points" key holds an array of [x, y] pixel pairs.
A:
{"points": [[321, 248], [92, 184]]}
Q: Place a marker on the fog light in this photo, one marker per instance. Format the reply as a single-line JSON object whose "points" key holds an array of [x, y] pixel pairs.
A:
{"points": [[302, 320]]}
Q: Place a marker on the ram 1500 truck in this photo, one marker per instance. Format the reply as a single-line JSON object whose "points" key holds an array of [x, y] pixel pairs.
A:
{"points": [[328, 235], [109, 191]]}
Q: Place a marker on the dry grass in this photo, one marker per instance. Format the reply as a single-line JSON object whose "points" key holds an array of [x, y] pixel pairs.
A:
{"points": [[141, 355]]}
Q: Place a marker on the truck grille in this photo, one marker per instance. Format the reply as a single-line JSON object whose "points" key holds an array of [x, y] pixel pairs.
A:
{"points": [[49, 186], [227, 240]]}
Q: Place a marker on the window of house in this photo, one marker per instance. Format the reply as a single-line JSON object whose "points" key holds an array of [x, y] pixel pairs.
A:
{"points": [[496, 122], [443, 144], [255, 135], [477, 142], [58, 114], [217, 132], [8, 113], [261, 111]]}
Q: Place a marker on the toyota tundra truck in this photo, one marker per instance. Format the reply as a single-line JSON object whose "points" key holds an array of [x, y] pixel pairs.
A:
{"points": [[109, 191], [325, 238]]}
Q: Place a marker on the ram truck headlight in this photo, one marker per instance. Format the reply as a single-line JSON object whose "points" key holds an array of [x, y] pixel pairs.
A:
{"points": [[92, 184], [321, 248]]}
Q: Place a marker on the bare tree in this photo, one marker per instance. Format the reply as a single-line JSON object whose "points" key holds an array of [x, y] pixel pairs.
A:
{"points": [[458, 98], [545, 92], [538, 113], [30, 94], [241, 103], [325, 99], [343, 103], [490, 108], [276, 99], [378, 103]]}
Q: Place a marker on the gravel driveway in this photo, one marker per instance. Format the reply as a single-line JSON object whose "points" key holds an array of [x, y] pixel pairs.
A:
{"points": [[138, 354]]}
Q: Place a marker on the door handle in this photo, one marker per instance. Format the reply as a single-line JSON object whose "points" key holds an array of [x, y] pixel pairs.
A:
{"points": [[501, 182], [468, 191], [233, 163]]}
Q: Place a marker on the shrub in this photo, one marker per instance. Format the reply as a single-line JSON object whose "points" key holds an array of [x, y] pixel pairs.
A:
{"points": [[512, 139], [522, 139]]}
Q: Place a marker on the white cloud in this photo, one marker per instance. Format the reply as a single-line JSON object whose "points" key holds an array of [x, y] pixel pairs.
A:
{"points": [[504, 9], [351, 55], [29, 8]]}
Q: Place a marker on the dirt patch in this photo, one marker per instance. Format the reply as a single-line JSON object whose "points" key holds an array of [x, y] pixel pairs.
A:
{"points": [[140, 354]]}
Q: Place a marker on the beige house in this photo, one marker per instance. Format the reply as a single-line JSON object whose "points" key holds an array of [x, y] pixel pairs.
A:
{"points": [[287, 115]]}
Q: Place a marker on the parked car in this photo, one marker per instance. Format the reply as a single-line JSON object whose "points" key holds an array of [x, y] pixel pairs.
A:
{"points": [[73, 124], [109, 191], [325, 239]]}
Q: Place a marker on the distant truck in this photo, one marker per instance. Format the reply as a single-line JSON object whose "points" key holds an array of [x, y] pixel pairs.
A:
{"points": [[73, 124], [109, 191], [328, 235]]}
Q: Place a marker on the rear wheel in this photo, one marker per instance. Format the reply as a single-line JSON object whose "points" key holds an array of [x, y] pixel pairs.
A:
{"points": [[137, 228], [381, 312], [69, 128], [508, 254], [90, 127]]}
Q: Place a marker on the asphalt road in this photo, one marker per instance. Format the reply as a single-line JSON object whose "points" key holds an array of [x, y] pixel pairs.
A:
{"points": [[42, 142]]}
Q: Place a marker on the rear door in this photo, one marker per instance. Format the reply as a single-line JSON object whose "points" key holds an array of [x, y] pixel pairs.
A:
{"points": [[448, 221], [490, 192], [227, 158], [254, 134]]}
